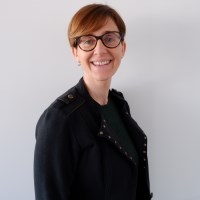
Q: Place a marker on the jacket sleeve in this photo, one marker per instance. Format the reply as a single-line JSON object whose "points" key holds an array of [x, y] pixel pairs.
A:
{"points": [[56, 156]]}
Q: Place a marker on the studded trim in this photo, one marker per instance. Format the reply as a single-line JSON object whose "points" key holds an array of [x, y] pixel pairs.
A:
{"points": [[103, 133]]}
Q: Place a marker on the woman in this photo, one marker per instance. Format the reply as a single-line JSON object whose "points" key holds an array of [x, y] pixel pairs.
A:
{"points": [[88, 146]]}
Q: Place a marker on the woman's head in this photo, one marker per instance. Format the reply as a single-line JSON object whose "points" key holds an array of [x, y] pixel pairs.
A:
{"points": [[96, 36], [92, 17]]}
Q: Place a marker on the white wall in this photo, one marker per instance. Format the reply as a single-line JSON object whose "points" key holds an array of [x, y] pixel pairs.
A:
{"points": [[159, 76]]}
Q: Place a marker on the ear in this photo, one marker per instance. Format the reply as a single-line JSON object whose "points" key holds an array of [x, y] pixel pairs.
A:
{"points": [[123, 48], [75, 53]]}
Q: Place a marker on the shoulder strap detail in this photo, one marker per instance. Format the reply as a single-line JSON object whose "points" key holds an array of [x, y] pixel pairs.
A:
{"points": [[72, 99]]}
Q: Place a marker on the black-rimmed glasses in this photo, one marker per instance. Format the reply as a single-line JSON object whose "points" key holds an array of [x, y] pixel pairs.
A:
{"points": [[89, 42]]}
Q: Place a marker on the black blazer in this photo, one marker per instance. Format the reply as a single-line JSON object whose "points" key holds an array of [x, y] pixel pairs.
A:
{"points": [[78, 158]]}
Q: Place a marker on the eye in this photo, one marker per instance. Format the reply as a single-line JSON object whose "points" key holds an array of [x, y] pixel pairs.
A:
{"points": [[109, 38], [87, 41]]}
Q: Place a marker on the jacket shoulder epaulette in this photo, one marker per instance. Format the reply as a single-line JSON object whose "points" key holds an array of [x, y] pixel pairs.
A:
{"points": [[69, 101]]}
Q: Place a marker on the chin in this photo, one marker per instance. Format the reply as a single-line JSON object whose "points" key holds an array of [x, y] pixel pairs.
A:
{"points": [[105, 78]]}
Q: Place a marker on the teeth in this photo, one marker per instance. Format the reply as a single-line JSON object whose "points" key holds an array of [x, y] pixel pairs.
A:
{"points": [[101, 63]]}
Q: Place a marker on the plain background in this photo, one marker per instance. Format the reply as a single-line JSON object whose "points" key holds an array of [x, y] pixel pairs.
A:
{"points": [[159, 76]]}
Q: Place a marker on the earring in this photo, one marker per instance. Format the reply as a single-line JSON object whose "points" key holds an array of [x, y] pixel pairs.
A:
{"points": [[79, 64]]}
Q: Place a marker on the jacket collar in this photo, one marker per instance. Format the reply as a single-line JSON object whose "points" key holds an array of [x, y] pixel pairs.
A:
{"points": [[116, 96]]}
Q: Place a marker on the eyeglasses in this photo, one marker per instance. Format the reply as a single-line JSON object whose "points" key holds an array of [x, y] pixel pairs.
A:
{"points": [[88, 42]]}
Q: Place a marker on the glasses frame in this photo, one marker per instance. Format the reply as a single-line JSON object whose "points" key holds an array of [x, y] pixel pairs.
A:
{"points": [[77, 40]]}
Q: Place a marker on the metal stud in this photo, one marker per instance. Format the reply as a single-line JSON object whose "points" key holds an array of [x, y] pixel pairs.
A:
{"points": [[101, 132], [70, 96]]}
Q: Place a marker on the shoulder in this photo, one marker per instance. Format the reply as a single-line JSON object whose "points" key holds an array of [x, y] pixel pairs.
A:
{"points": [[62, 107], [68, 102], [58, 115]]}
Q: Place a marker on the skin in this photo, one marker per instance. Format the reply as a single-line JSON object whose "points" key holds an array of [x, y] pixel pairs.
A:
{"points": [[100, 64]]}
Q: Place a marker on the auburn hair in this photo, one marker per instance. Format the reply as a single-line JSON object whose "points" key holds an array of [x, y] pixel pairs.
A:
{"points": [[92, 17]]}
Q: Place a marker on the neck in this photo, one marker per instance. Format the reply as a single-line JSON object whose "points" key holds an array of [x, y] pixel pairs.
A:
{"points": [[98, 90]]}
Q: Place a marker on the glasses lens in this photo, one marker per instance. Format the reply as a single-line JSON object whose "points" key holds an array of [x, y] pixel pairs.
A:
{"points": [[87, 42], [111, 40]]}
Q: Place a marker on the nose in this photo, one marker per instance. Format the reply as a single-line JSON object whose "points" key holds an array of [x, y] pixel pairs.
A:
{"points": [[100, 48]]}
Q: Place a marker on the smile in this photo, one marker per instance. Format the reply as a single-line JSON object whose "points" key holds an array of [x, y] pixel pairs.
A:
{"points": [[101, 63]]}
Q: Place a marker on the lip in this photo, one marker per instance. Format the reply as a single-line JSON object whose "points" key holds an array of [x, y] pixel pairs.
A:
{"points": [[101, 62]]}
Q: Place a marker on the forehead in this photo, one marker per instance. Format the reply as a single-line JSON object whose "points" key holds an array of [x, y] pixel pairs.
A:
{"points": [[108, 26]]}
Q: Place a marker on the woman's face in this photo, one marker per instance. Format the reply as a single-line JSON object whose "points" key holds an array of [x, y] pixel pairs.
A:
{"points": [[101, 63]]}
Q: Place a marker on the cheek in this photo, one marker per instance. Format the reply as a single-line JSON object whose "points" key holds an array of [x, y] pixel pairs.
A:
{"points": [[82, 55], [119, 56], [84, 59]]}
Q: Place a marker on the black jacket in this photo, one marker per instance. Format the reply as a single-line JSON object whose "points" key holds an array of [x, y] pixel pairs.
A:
{"points": [[77, 156]]}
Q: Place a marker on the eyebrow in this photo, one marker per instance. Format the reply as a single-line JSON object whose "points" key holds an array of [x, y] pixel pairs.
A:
{"points": [[102, 33]]}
